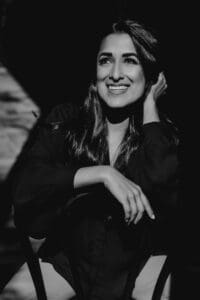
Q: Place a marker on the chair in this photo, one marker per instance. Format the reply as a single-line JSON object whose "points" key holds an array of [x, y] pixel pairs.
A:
{"points": [[34, 266], [164, 273], [36, 274]]}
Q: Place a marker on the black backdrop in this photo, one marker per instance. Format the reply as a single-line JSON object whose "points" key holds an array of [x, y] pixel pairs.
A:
{"points": [[48, 46]]}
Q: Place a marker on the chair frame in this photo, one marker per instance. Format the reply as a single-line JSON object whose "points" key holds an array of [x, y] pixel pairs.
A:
{"points": [[36, 273], [34, 267]]}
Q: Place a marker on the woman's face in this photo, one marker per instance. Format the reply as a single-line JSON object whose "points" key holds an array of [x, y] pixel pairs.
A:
{"points": [[120, 76]]}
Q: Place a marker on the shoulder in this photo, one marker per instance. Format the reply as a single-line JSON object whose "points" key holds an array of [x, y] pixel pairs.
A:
{"points": [[61, 116], [63, 112], [171, 130], [166, 127]]}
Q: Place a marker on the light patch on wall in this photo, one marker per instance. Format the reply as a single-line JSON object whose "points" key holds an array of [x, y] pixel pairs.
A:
{"points": [[17, 117]]}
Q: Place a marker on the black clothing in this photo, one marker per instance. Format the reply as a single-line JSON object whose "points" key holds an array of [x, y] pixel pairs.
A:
{"points": [[86, 233]]}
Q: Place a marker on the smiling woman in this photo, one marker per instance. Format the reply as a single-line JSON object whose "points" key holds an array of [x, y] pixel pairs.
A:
{"points": [[120, 75], [100, 180]]}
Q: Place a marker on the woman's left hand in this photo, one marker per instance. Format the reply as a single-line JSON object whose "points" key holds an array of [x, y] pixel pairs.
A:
{"points": [[157, 89]]}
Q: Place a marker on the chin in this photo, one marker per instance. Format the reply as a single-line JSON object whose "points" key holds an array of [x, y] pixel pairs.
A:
{"points": [[118, 103]]}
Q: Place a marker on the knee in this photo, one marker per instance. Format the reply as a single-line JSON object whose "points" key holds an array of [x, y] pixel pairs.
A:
{"points": [[19, 291], [26, 291]]}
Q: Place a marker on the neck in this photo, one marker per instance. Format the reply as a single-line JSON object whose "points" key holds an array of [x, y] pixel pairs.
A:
{"points": [[117, 119], [116, 132], [117, 128], [117, 115]]}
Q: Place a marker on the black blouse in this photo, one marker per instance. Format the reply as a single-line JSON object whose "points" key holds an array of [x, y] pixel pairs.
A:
{"points": [[87, 240]]}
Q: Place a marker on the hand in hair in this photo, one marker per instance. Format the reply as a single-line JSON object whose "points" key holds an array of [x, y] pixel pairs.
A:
{"points": [[152, 95], [157, 89]]}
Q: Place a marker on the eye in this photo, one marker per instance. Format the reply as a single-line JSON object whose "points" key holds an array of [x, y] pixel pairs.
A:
{"points": [[131, 60], [104, 60]]}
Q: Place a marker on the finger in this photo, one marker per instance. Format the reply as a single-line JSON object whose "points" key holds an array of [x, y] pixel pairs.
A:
{"points": [[160, 93], [127, 209], [146, 203], [160, 82], [133, 206], [147, 206], [140, 211], [163, 88], [160, 90], [162, 77], [144, 200]]}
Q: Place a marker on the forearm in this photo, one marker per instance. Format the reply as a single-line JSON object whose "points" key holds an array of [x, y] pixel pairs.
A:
{"points": [[150, 112], [90, 175]]}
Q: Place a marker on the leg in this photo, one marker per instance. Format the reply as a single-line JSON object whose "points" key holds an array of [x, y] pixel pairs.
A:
{"points": [[147, 278], [21, 287]]}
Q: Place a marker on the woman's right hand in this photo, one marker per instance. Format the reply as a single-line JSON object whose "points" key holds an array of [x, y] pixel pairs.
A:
{"points": [[129, 195]]}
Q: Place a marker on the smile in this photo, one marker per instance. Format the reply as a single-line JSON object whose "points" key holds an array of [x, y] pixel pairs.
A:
{"points": [[117, 89]]}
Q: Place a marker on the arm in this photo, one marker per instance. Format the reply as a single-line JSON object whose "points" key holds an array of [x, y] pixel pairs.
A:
{"points": [[42, 182], [126, 192], [150, 110], [155, 165]]}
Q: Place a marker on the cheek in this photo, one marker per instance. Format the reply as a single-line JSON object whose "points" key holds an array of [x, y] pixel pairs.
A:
{"points": [[100, 85], [140, 79], [139, 83], [137, 74], [102, 73]]}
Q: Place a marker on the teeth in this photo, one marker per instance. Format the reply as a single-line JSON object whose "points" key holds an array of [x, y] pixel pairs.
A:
{"points": [[121, 87]]}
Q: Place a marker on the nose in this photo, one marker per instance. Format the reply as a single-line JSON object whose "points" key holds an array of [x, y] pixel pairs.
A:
{"points": [[116, 72]]}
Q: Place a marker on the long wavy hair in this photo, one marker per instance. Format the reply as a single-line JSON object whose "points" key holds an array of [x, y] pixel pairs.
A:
{"points": [[87, 139]]}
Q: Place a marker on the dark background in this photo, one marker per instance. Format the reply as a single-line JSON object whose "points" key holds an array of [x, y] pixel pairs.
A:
{"points": [[49, 46]]}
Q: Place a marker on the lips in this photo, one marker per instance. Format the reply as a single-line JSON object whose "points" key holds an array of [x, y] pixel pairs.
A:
{"points": [[117, 89]]}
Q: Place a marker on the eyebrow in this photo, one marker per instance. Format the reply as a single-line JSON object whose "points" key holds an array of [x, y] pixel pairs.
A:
{"points": [[128, 54]]}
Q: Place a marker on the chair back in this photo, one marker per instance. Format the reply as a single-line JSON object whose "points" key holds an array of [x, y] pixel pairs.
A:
{"points": [[162, 278], [34, 266], [36, 274]]}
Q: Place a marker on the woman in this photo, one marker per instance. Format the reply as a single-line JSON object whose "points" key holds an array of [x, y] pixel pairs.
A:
{"points": [[100, 181]]}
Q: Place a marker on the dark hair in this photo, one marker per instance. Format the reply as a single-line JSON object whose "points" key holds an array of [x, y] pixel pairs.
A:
{"points": [[87, 141], [146, 45]]}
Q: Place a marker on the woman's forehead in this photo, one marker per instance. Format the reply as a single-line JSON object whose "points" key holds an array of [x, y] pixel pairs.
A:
{"points": [[117, 42]]}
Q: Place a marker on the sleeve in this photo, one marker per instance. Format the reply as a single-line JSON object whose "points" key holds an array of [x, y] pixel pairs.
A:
{"points": [[43, 182], [155, 166]]}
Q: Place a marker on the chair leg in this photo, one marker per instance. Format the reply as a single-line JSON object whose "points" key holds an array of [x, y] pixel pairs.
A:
{"points": [[34, 267], [164, 273]]}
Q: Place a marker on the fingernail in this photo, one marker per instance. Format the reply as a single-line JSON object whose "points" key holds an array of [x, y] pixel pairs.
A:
{"points": [[153, 217]]}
